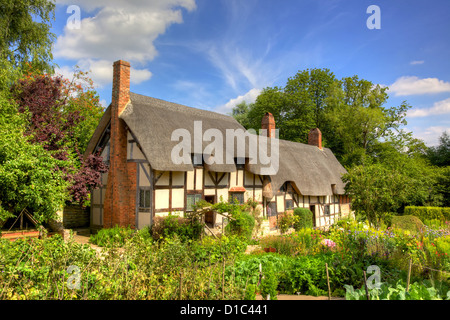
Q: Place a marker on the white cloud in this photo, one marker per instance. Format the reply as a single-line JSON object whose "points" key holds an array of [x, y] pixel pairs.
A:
{"points": [[119, 29], [411, 85], [430, 135], [101, 72], [438, 108], [249, 97], [415, 62]]}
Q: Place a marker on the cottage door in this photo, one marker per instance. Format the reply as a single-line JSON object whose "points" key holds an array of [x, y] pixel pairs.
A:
{"points": [[312, 208], [210, 215]]}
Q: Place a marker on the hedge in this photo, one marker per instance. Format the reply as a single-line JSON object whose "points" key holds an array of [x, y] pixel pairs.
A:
{"points": [[428, 213]]}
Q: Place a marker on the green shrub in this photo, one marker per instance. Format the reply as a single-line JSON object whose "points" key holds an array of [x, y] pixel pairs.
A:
{"points": [[428, 213], [304, 218], [250, 292], [115, 236], [241, 224], [184, 228], [269, 284], [387, 219], [212, 250], [286, 221], [409, 222]]}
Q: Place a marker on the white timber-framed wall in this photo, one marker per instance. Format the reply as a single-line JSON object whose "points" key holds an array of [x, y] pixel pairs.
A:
{"points": [[162, 192], [326, 209]]}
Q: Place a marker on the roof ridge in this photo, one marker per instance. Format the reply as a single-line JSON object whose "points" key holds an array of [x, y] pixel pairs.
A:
{"points": [[177, 106]]}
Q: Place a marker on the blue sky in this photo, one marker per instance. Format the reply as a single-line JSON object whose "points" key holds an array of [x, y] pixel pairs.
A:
{"points": [[213, 54]]}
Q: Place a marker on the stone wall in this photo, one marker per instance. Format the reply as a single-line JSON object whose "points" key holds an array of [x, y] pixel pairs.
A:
{"points": [[75, 217]]}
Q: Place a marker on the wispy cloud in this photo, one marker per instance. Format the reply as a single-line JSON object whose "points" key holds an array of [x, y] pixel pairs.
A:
{"points": [[412, 85], [241, 68], [438, 108], [415, 62]]}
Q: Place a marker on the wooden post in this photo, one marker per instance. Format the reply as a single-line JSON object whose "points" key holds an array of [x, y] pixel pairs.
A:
{"points": [[328, 282], [181, 285], [365, 285], [223, 279], [409, 275]]}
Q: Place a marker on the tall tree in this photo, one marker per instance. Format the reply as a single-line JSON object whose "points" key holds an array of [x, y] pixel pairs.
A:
{"points": [[440, 155], [25, 37], [358, 119], [56, 109], [28, 178], [350, 112], [297, 108], [240, 113]]}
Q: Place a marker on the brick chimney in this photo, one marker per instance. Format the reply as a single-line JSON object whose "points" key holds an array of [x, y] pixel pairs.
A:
{"points": [[120, 198], [315, 138], [268, 123]]}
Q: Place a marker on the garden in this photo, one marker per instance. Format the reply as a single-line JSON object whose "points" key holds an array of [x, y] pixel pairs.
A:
{"points": [[173, 259]]}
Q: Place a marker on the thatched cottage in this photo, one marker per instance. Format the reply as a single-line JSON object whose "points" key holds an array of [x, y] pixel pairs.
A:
{"points": [[141, 139]]}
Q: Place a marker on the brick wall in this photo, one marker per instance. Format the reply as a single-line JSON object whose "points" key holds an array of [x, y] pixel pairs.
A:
{"points": [[75, 217], [120, 198]]}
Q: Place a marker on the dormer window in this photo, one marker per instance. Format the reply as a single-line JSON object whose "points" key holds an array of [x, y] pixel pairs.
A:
{"points": [[240, 163], [197, 159]]}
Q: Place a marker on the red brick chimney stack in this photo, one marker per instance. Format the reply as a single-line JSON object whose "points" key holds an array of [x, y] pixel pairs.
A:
{"points": [[315, 138], [120, 201], [268, 123], [121, 85]]}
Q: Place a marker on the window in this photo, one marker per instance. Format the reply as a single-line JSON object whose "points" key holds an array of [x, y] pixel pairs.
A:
{"points": [[191, 200], [272, 209], [144, 199], [239, 196], [289, 204], [105, 153], [326, 209]]}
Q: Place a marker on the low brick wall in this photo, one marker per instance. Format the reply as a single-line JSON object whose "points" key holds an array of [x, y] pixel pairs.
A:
{"points": [[75, 217]]}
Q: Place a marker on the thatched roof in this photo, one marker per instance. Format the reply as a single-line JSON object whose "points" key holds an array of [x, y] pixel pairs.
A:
{"points": [[103, 124], [152, 121], [313, 171]]}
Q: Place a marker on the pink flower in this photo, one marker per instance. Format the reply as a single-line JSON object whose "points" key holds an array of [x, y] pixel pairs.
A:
{"points": [[328, 243]]}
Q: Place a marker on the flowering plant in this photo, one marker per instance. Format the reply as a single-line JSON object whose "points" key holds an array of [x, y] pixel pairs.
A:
{"points": [[328, 243]]}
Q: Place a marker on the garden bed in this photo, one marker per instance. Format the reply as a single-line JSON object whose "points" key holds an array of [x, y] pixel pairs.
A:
{"points": [[135, 266]]}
